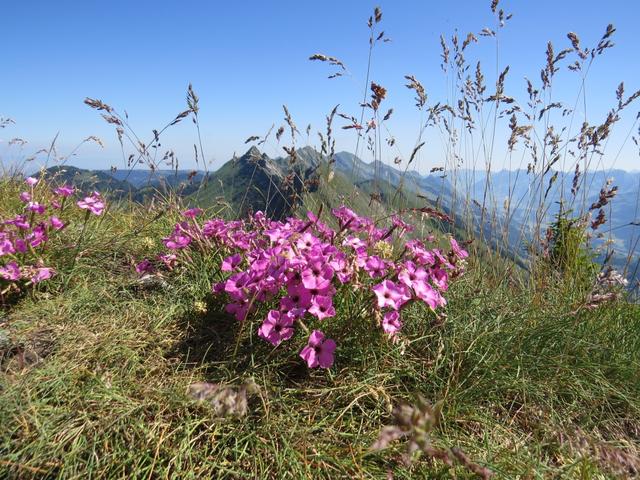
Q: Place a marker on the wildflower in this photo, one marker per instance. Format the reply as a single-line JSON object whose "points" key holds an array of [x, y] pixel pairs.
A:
{"points": [[322, 307], [427, 294], [239, 309], [25, 197], [457, 250], [37, 236], [235, 285], [31, 181], [411, 274], [307, 241], [56, 223], [10, 271], [401, 225], [299, 297], [64, 191], [390, 294], [375, 267], [41, 274], [391, 323], [145, 266], [319, 351], [192, 213], [276, 327], [6, 246], [177, 240], [230, 263], [94, 204], [169, 260], [317, 276], [35, 207], [440, 278], [19, 221]]}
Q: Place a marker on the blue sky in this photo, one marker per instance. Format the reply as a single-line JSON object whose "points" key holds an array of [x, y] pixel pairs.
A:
{"points": [[246, 59]]}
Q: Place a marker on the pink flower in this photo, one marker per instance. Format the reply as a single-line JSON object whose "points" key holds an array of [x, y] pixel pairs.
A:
{"points": [[239, 309], [440, 278], [64, 191], [391, 323], [306, 241], [192, 212], [457, 250], [10, 271], [276, 328], [38, 235], [56, 223], [25, 197], [390, 294], [31, 181], [317, 276], [322, 307], [6, 246], [169, 260], [177, 240], [230, 263], [299, 297], [401, 225], [412, 274], [145, 266], [93, 203], [375, 267], [35, 207], [427, 294], [319, 351], [41, 274]]}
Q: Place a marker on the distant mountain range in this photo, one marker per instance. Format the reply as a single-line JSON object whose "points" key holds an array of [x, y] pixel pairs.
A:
{"points": [[279, 186]]}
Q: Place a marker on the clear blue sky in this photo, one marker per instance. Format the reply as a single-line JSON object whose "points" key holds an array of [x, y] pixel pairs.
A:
{"points": [[246, 59]]}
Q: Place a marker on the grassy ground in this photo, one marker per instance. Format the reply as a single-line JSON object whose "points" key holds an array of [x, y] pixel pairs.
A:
{"points": [[94, 382]]}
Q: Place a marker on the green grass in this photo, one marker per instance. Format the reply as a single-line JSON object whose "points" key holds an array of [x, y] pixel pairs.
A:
{"points": [[522, 379]]}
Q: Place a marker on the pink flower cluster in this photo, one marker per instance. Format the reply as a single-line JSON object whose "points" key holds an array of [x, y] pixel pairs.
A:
{"points": [[294, 270], [23, 238]]}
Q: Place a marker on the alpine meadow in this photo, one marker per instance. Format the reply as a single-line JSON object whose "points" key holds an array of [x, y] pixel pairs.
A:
{"points": [[437, 276]]}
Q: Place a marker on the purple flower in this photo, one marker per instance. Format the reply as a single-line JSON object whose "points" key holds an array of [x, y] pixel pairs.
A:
{"points": [[427, 294], [35, 207], [25, 197], [64, 191], [322, 307], [390, 294], [56, 223], [10, 271], [457, 250], [177, 240], [391, 323], [239, 309], [145, 266], [412, 274], [299, 297], [31, 181], [38, 235], [192, 212], [41, 274], [375, 267], [93, 203], [276, 327], [307, 241], [318, 275], [230, 263], [6, 246], [319, 351], [169, 260]]}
